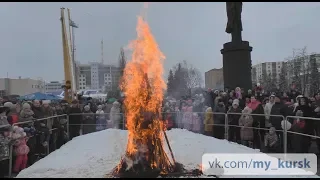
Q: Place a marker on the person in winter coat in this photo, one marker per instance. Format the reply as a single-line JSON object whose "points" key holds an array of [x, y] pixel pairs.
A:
{"points": [[5, 142], [75, 119], [88, 121], [115, 116], [234, 115], [245, 122], [37, 109], [299, 141], [278, 110], [196, 124], [267, 110], [208, 122], [219, 119], [20, 148], [187, 117], [271, 141], [306, 125], [12, 115], [47, 113], [101, 122], [62, 135], [26, 113], [258, 121], [169, 119], [3, 116]]}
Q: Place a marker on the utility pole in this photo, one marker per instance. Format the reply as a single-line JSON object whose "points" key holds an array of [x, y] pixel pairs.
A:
{"points": [[73, 25]]}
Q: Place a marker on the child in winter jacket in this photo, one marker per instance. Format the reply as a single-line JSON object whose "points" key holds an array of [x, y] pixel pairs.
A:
{"points": [[246, 131], [271, 141], [26, 113], [20, 148], [100, 119]]}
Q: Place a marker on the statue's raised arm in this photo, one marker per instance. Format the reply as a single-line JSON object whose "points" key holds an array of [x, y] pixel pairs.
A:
{"points": [[234, 24]]}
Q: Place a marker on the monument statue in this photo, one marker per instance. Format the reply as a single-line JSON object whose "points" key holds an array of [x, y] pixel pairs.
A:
{"points": [[234, 24]]}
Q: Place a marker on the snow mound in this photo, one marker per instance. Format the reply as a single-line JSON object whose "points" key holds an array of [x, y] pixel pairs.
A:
{"points": [[95, 155]]}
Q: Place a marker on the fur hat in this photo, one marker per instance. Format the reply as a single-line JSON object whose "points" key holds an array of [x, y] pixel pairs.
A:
{"points": [[235, 102], [116, 103], [247, 110], [8, 104], [15, 128]]}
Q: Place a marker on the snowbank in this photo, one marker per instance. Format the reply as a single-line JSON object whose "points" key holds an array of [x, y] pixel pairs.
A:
{"points": [[96, 154]]}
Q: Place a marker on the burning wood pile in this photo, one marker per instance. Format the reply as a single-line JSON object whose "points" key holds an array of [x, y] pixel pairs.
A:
{"points": [[143, 86]]}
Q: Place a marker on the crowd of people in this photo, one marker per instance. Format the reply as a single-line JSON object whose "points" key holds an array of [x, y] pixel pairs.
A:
{"points": [[35, 128], [255, 118]]}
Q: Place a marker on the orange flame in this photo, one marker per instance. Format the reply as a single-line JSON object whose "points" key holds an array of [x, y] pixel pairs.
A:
{"points": [[143, 86]]}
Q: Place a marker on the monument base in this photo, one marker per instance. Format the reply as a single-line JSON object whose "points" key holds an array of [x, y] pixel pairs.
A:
{"points": [[237, 65]]}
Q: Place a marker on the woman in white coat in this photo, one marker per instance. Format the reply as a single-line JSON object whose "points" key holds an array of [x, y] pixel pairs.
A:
{"points": [[115, 115]]}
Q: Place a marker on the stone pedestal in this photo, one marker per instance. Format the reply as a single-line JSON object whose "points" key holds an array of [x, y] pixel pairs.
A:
{"points": [[237, 65]]}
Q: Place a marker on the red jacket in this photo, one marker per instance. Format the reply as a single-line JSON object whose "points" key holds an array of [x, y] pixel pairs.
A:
{"points": [[300, 124], [12, 119]]}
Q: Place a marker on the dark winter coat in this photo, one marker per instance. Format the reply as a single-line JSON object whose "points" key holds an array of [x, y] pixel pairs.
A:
{"points": [[75, 117], [218, 117], [234, 118], [258, 121], [307, 112], [277, 110], [88, 122]]}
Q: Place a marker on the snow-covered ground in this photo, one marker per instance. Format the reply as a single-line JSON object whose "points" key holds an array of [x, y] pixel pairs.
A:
{"points": [[95, 155]]}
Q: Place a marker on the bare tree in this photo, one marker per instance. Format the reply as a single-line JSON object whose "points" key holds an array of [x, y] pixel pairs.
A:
{"points": [[305, 69], [186, 77], [283, 83], [194, 77], [314, 75], [122, 61]]}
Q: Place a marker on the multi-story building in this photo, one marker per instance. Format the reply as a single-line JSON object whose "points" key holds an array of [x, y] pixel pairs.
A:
{"points": [[53, 86], [214, 79], [301, 66], [20, 86], [98, 76], [272, 69]]}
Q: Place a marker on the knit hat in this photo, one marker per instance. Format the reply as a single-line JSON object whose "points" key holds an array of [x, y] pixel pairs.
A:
{"points": [[235, 102], [26, 106]]}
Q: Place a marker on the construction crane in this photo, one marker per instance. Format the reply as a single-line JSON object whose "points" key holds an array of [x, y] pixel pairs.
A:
{"points": [[68, 94]]}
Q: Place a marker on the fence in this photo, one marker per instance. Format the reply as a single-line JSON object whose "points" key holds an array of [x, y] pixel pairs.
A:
{"points": [[31, 122], [190, 120]]}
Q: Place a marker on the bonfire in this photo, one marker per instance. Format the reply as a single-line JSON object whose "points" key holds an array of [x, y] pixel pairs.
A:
{"points": [[143, 86]]}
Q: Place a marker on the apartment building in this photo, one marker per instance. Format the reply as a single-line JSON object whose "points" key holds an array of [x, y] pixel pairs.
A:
{"points": [[267, 68], [214, 79], [98, 76]]}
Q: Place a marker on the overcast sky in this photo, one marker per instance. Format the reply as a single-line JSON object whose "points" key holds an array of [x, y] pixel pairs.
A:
{"points": [[31, 45]]}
